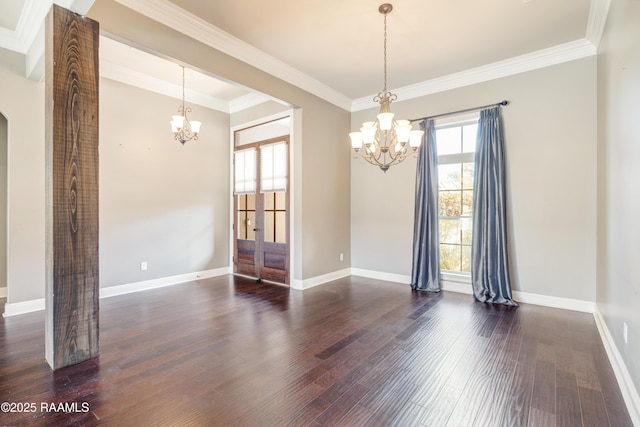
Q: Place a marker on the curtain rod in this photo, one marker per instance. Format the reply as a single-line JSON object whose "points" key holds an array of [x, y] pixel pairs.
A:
{"points": [[501, 103]]}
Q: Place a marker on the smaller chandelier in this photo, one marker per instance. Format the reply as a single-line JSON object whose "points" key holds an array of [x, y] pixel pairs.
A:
{"points": [[183, 129], [387, 141]]}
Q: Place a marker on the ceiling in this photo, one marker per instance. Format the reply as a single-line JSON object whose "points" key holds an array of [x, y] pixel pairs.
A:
{"points": [[334, 48]]}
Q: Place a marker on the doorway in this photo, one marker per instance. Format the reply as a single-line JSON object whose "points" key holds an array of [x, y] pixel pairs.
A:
{"points": [[261, 203]]}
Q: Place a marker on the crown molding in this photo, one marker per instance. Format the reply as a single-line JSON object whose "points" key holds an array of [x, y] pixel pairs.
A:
{"points": [[247, 101], [180, 20], [130, 77], [531, 61], [598, 12]]}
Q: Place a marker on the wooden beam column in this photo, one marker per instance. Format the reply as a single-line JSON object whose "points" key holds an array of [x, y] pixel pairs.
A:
{"points": [[71, 117]]}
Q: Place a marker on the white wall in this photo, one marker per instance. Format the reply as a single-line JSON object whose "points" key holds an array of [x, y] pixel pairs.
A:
{"points": [[618, 286], [550, 131]]}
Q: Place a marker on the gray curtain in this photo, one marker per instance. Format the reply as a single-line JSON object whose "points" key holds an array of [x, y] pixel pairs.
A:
{"points": [[489, 251], [425, 270]]}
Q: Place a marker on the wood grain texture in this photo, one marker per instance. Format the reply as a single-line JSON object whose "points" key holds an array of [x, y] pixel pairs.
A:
{"points": [[226, 351], [71, 58]]}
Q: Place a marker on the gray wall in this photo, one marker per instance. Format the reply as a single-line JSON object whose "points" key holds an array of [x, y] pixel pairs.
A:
{"points": [[160, 202], [22, 102], [3, 199], [550, 130], [618, 284], [321, 170]]}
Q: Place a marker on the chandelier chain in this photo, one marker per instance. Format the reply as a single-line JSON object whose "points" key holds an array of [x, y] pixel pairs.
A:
{"points": [[183, 86], [385, 52]]}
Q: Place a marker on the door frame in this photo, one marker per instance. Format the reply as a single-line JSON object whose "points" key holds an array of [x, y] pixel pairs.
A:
{"points": [[295, 116]]}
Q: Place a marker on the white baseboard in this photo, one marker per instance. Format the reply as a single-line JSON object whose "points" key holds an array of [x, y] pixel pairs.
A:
{"points": [[381, 275], [628, 389], [30, 306], [129, 288], [465, 288], [23, 307], [3, 292], [319, 280], [555, 302]]}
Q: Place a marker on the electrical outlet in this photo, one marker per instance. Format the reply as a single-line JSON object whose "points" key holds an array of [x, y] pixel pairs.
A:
{"points": [[143, 266], [625, 332], [341, 257]]}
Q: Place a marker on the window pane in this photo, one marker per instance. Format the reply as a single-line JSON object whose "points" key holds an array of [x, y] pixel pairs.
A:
{"points": [[450, 231], [281, 228], [245, 171], [466, 227], [467, 202], [466, 259], [251, 224], [269, 232], [450, 203], [281, 200], [449, 141], [449, 177], [469, 138], [450, 257], [251, 202], [273, 167], [467, 175], [269, 202], [242, 202], [242, 225]]}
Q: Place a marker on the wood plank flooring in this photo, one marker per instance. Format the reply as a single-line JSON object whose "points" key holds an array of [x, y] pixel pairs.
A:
{"points": [[356, 352]]}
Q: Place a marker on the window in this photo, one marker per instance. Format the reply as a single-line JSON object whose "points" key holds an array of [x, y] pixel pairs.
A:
{"points": [[456, 150], [245, 171]]}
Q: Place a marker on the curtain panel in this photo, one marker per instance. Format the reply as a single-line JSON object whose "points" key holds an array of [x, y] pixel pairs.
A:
{"points": [[490, 276], [425, 269]]}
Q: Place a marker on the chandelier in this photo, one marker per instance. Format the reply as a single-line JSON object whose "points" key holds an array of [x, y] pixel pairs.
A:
{"points": [[387, 141], [183, 129]]}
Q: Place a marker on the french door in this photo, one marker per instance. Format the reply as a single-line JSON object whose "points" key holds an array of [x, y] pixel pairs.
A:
{"points": [[261, 210]]}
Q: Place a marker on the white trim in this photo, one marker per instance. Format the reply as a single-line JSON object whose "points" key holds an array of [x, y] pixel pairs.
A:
{"points": [[187, 23], [456, 286], [143, 81], [23, 307], [449, 283], [319, 280], [30, 306], [531, 61], [129, 288], [381, 275], [598, 12], [3, 292], [554, 302], [249, 100], [627, 388]]}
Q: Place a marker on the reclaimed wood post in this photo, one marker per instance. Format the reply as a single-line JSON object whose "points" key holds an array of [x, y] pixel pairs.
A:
{"points": [[71, 119]]}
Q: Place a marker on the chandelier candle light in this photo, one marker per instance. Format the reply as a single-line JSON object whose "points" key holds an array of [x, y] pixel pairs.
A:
{"points": [[386, 140], [183, 129]]}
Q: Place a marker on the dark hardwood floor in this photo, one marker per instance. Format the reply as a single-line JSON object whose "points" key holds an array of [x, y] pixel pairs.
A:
{"points": [[227, 351]]}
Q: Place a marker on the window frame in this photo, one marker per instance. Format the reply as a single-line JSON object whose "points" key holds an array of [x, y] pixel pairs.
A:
{"points": [[456, 158]]}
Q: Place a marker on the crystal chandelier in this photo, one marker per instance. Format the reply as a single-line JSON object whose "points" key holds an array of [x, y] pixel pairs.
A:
{"points": [[183, 129], [386, 140]]}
